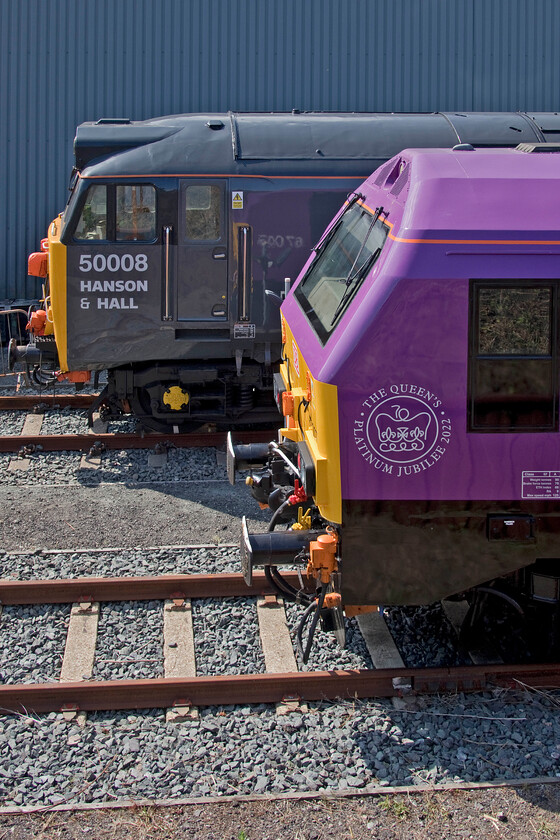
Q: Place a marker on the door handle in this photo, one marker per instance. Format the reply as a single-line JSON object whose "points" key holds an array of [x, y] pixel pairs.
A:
{"points": [[244, 249], [219, 254], [167, 244]]}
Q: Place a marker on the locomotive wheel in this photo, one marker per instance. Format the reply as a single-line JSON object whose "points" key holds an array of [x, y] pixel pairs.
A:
{"points": [[495, 624]]}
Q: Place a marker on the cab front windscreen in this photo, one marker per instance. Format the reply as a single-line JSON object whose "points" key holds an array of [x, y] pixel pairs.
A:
{"points": [[342, 263]]}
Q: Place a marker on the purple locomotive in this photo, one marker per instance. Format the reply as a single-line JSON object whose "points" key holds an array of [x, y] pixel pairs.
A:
{"points": [[420, 457]]}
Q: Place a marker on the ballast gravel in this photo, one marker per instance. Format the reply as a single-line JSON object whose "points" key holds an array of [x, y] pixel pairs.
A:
{"points": [[11, 422], [129, 641], [247, 750], [183, 560], [226, 637], [32, 640], [330, 747], [64, 421], [345, 746], [326, 653], [436, 646], [117, 466]]}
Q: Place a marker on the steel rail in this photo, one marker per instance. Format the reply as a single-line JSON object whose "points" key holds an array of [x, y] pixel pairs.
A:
{"points": [[89, 695], [120, 440], [269, 688], [161, 587], [29, 401]]}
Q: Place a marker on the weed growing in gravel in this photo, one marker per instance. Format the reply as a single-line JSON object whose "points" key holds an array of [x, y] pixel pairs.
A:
{"points": [[242, 835], [395, 806], [434, 809]]}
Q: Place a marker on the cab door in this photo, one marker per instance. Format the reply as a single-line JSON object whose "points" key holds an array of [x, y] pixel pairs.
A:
{"points": [[113, 263], [202, 252]]}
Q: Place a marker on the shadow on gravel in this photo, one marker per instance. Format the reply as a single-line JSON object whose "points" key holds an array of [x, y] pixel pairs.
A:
{"points": [[212, 493], [126, 514], [222, 497], [497, 736], [545, 796]]}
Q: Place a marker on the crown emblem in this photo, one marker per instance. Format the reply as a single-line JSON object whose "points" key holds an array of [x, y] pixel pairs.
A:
{"points": [[402, 433]]}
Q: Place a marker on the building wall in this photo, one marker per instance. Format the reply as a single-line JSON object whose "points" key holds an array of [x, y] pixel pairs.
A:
{"points": [[66, 61]]}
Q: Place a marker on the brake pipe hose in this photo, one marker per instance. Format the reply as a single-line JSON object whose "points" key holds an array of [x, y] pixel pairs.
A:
{"points": [[318, 604]]}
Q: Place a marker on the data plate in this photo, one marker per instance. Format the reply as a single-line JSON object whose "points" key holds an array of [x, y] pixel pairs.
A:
{"points": [[540, 484], [244, 330]]}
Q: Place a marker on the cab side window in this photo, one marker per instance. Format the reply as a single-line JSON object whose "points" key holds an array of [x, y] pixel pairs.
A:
{"points": [[136, 213], [202, 212], [92, 223], [513, 357], [118, 213]]}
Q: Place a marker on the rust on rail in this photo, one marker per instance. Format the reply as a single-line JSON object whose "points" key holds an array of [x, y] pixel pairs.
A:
{"points": [[28, 401], [267, 688], [73, 443], [143, 588]]}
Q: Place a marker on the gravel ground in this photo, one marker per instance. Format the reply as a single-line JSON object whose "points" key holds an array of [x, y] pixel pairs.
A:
{"points": [[54, 519], [226, 637], [333, 747], [32, 642], [129, 641], [516, 814]]}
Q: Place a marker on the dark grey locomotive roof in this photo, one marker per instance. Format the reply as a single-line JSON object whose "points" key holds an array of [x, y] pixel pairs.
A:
{"points": [[309, 143]]}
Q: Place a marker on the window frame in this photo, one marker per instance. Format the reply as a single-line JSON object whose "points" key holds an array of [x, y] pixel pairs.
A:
{"points": [[126, 185], [111, 226], [475, 358], [322, 332], [200, 182]]}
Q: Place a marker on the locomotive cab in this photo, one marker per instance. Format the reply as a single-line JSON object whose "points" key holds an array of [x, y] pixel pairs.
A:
{"points": [[420, 390]]}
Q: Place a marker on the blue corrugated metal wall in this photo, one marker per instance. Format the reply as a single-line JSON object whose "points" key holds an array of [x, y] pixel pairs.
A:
{"points": [[66, 61]]}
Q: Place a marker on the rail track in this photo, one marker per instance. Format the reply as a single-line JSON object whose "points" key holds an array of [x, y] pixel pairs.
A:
{"points": [[31, 440], [122, 440], [183, 692], [28, 402]]}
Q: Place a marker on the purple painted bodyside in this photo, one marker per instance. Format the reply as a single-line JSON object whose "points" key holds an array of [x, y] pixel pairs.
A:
{"points": [[399, 356]]}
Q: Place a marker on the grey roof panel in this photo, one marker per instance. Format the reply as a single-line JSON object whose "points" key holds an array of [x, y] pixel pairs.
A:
{"points": [[335, 136]]}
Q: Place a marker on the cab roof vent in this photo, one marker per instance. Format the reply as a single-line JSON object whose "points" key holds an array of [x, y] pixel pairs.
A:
{"points": [[96, 140], [401, 181], [538, 147], [383, 171]]}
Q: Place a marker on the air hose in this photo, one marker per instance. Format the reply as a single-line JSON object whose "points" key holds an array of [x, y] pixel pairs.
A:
{"points": [[275, 579], [318, 606], [39, 377], [277, 514]]}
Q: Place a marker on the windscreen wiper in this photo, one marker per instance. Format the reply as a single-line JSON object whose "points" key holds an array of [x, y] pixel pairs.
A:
{"points": [[356, 274], [322, 242]]}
